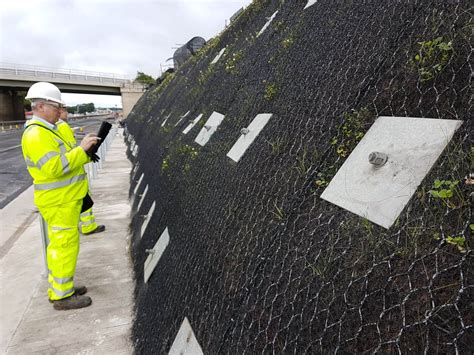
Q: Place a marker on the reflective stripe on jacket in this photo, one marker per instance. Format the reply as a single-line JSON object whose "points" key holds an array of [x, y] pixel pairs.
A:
{"points": [[56, 168]]}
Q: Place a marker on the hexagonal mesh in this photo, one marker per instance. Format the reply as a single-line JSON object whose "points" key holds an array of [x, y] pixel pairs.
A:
{"points": [[257, 261]]}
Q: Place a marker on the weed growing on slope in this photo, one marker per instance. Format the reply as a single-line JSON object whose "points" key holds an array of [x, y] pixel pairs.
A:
{"points": [[256, 6], [166, 80], [305, 160], [204, 75], [277, 145], [431, 57], [279, 26], [351, 131], [166, 128], [189, 153], [278, 211], [448, 192], [181, 153], [208, 47], [458, 241], [231, 63], [165, 164], [302, 163], [271, 91], [323, 178], [288, 41]]}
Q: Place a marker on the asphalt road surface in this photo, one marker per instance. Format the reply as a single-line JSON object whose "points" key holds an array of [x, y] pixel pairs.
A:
{"points": [[14, 177]]}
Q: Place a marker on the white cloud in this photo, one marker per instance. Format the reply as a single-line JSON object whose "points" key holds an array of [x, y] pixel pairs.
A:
{"points": [[98, 100], [120, 36], [111, 36]]}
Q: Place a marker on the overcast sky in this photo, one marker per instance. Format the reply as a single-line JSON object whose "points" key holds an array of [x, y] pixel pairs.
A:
{"points": [[112, 36]]}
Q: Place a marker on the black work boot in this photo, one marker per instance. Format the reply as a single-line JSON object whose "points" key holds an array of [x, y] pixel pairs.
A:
{"points": [[100, 228], [78, 290], [72, 302]]}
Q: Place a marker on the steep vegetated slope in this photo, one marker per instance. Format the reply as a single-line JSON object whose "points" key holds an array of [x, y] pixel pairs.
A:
{"points": [[257, 261]]}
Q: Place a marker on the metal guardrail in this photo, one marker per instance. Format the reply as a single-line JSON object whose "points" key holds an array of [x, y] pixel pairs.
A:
{"points": [[12, 69], [9, 125], [92, 171]]}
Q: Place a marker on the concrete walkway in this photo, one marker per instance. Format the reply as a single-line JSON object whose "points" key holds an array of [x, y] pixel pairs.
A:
{"points": [[28, 322]]}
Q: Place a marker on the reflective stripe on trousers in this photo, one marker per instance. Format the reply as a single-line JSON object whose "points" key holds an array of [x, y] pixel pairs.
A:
{"points": [[61, 280], [60, 229], [87, 221], [62, 294]]}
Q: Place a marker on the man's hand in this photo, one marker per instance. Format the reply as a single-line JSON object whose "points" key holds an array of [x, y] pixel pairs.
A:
{"points": [[89, 141]]}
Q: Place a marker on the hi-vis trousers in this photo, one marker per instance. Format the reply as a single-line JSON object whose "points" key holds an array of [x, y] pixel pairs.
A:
{"points": [[63, 247], [87, 221]]}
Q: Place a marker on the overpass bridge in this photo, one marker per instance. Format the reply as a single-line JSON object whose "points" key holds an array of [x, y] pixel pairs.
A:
{"points": [[15, 80]]}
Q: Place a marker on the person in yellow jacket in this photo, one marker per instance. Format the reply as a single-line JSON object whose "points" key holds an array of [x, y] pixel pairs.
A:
{"points": [[60, 186], [87, 219]]}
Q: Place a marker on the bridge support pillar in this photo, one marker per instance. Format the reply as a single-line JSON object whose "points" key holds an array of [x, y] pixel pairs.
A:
{"points": [[130, 96], [11, 106]]}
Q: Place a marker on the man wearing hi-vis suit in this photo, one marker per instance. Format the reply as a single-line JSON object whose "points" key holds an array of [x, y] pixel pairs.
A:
{"points": [[60, 187]]}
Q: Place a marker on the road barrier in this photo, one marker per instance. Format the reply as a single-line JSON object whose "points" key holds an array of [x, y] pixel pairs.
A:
{"points": [[9, 125], [22, 70]]}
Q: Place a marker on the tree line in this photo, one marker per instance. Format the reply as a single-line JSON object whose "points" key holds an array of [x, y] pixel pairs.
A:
{"points": [[83, 108]]}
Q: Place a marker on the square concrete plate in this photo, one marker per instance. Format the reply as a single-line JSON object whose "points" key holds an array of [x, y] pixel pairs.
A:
{"points": [[185, 342], [380, 194], [209, 128], [147, 219], [310, 3], [192, 124], [218, 56], [270, 19], [245, 140], [157, 251]]}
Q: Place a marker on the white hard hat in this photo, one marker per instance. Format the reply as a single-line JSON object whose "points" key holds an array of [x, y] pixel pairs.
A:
{"points": [[46, 91]]}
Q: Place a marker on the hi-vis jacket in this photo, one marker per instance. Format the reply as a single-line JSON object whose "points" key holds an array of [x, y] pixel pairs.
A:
{"points": [[56, 167]]}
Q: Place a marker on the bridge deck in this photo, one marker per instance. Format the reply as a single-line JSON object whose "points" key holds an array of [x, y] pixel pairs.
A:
{"points": [[75, 81]]}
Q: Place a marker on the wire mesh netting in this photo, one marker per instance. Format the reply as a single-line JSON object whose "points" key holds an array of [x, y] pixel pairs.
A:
{"points": [[257, 261]]}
